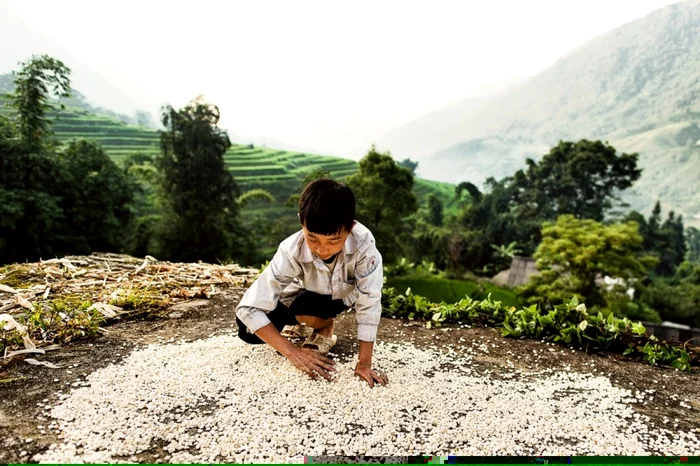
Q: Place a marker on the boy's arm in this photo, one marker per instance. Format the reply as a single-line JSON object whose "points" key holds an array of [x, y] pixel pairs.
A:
{"points": [[364, 369], [369, 278], [262, 296]]}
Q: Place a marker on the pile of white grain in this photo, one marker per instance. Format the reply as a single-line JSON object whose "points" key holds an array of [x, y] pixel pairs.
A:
{"points": [[221, 400]]}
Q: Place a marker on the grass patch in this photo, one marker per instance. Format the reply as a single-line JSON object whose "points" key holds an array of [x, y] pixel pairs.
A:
{"points": [[142, 302], [20, 276], [451, 291]]}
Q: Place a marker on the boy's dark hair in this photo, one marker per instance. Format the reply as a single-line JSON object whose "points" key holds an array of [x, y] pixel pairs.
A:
{"points": [[326, 206]]}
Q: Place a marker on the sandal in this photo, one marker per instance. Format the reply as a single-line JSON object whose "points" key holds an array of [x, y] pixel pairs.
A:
{"points": [[320, 343], [297, 331]]}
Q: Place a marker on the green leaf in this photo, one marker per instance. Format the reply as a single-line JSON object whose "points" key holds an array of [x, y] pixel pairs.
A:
{"points": [[437, 316], [574, 301], [583, 325], [545, 320]]}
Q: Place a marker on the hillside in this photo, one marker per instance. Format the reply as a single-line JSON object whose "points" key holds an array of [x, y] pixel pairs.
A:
{"points": [[277, 171], [624, 86]]}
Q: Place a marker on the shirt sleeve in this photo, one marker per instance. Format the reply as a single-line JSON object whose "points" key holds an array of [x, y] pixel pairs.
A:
{"points": [[263, 295], [369, 276]]}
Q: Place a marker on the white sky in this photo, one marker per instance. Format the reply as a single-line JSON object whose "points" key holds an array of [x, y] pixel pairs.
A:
{"points": [[328, 75]]}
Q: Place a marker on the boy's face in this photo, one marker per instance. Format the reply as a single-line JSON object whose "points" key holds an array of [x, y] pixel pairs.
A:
{"points": [[324, 247]]}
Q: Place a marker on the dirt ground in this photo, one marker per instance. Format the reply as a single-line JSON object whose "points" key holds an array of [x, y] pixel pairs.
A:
{"points": [[27, 391]]}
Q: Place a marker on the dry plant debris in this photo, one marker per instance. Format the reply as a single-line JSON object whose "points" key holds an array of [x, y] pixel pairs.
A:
{"points": [[58, 299]]}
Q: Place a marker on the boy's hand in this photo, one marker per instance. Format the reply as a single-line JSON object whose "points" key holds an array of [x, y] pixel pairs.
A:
{"points": [[312, 363], [365, 372]]}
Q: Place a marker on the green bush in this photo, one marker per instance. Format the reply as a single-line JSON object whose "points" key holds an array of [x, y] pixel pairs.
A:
{"points": [[678, 298]]}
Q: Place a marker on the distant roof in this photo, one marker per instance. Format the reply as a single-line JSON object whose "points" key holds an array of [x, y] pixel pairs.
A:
{"points": [[674, 325]]}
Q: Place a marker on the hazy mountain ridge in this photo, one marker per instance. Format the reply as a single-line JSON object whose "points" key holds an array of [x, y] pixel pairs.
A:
{"points": [[630, 86]]}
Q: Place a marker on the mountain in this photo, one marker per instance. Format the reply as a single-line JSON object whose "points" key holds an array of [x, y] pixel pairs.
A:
{"points": [[443, 127], [637, 87]]}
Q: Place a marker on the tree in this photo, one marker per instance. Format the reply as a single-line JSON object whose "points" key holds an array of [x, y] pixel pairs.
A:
{"points": [[30, 213], [665, 240], [31, 179], [97, 199], [33, 85], [54, 199], [677, 298], [574, 253], [487, 220], [581, 178], [435, 210], [470, 188], [196, 190], [693, 243], [384, 196], [506, 252], [410, 164]]}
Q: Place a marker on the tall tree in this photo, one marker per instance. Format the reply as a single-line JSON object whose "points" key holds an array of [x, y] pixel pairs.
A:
{"points": [[39, 79], [197, 191], [435, 211], [384, 195], [31, 178]]}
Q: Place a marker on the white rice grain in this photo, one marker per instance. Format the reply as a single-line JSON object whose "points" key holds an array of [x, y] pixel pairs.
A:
{"points": [[221, 400]]}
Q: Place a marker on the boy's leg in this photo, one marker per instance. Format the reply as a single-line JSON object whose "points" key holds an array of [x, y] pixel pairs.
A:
{"points": [[279, 317], [321, 326], [317, 311]]}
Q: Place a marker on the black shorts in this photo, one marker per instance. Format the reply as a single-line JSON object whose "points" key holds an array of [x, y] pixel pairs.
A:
{"points": [[307, 303]]}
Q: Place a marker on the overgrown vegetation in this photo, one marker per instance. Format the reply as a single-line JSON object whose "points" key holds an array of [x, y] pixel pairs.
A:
{"points": [[568, 323], [141, 302]]}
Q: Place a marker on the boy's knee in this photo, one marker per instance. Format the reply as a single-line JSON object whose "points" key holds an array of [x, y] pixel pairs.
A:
{"points": [[314, 322]]}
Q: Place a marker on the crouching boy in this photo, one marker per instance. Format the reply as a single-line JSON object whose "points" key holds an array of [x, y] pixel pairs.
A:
{"points": [[317, 273]]}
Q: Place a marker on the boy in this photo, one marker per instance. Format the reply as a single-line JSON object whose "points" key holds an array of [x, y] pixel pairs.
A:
{"points": [[318, 272]]}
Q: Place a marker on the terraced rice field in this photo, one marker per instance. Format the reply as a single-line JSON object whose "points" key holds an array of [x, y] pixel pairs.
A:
{"points": [[277, 171]]}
